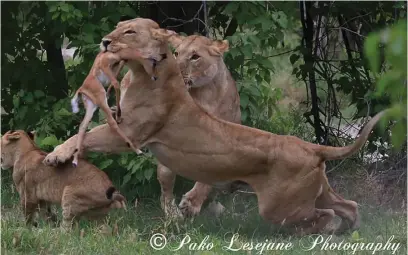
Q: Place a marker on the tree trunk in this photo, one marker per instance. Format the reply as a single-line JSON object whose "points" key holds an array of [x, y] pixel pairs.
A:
{"points": [[56, 65], [346, 40], [307, 25]]}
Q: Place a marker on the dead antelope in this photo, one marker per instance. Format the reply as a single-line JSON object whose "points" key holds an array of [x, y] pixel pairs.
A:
{"points": [[94, 96]]}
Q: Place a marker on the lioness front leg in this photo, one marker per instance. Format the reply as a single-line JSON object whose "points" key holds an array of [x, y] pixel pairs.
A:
{"points": [[166, 179], [99, 139]]}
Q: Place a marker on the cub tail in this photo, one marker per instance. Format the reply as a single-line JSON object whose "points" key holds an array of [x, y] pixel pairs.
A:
{"points": [[118, 200]]}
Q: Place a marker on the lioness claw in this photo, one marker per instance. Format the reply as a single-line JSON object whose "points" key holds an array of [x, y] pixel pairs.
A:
{"points": [[53, 160], [187, 208]]}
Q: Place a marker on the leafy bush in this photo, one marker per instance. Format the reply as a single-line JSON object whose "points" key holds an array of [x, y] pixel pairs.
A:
{"points": [[390, 71]]}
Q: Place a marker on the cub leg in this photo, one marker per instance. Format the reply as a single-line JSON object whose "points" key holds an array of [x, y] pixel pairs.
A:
{"points": [[46, 213], [73, 204], [29, 209]]}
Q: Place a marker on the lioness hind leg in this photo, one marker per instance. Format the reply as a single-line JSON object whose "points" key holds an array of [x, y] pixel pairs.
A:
{"points": [[90, 108], [346, 209], [315, 222], [305, 218], [292, 205], [112, 123]]}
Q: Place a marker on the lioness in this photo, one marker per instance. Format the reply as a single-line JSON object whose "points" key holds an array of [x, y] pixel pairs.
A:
{"points": [[84, 190], [213, 88], [286, 173]]}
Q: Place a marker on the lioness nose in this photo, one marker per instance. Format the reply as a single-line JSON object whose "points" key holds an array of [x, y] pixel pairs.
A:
{"points": [[106, 42]]}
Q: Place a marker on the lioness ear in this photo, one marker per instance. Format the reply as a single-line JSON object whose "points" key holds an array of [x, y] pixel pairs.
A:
{"points": [[31, 134], [124, 22], [162, 34], [218, 47], [176, 40], [13, 136]]}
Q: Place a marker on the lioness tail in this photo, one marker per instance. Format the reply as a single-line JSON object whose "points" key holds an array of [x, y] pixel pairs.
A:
{"points": [[331, 153]]}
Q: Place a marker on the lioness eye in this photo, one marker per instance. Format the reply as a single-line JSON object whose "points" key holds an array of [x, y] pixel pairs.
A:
{"points": [[195, 57], [130, 32]]}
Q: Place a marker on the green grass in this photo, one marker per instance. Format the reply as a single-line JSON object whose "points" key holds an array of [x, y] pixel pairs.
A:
{"points": [[137, 225]]}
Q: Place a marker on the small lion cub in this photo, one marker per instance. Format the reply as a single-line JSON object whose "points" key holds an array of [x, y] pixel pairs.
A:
{"points": [[81, 191], [94, 96]]}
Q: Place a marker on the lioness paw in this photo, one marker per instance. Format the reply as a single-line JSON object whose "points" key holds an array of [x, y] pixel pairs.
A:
{"points": [[58, 156], [187, 208]]}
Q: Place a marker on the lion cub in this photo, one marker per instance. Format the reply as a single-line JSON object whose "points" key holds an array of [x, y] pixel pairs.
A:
{"points": [[94, 96], [81, 191]]}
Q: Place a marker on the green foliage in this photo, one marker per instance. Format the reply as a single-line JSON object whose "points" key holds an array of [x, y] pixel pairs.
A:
{"points": [[391, 74], [257, 100], [139, 169], [259, 32]]}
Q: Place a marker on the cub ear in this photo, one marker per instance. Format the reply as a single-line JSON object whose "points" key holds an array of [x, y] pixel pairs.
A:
{"points": [[218, 47], [13, 136], [162, 34], [176, 40]]}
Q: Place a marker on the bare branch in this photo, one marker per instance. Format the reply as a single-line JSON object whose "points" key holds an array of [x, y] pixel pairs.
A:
{"points": [[276, 55], [183, 22]]}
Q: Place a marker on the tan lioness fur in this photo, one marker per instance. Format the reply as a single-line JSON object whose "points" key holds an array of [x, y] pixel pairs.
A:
{"points": [[94, 96], [213, 88], [81, 191], [286, 173]]}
